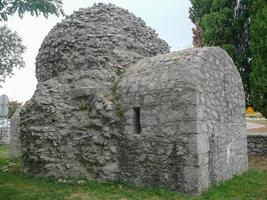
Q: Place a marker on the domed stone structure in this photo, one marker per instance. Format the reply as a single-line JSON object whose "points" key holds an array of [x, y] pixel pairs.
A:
{"points": [[100, 37], [113, 104], [70, 126]]}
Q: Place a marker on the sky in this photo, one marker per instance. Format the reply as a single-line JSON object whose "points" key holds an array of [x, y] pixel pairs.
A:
{"points": [[168, 17]]}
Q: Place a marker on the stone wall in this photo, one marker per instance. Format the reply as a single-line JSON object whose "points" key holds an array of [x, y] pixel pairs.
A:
{"points": [[15, 148], [221, 115], [4, 135], [193, 130], [257, 144], [158, 154], [70, 127]]}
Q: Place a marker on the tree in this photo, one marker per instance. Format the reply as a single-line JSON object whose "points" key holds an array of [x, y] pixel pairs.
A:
{"points": [[11, 48], [12, 108], [259, 55], [199, 8], [34, 7], [224, 23], [241, 30], [217, 28]]}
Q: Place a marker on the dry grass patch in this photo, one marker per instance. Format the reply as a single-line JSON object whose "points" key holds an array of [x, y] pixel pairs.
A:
{"points": [[80, 196]]}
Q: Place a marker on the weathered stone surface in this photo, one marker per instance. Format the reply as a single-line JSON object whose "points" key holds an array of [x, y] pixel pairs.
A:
{"points": [[104, 111], [257, 144], [4, 135], [193, 131], [15, 148], [70, 127], [100, 37]]}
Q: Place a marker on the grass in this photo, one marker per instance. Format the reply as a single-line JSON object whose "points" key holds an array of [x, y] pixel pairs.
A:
{"points": [[17, 186]]}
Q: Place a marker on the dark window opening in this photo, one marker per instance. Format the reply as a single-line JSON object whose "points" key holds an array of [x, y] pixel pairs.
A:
{"points": [[137, 123]]}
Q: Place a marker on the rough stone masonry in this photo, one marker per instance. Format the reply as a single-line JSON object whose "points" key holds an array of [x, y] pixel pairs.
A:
{"points": [[113, 104]]}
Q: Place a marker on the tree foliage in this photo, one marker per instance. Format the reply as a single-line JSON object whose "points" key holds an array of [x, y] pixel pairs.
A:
{"points": [[217, 28], [259, 55], [199, 8], [11, 50], [240, 27], [224, 23], [34, 7], [12, 108]]}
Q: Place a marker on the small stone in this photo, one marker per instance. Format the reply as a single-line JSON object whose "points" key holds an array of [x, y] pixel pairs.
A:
{"points": [[11, 164], [4, 169], [99, 106], [109, 106], [62, 180], [81, 182]]}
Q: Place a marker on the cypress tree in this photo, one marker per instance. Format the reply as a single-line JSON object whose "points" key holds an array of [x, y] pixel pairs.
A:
{"points": [[258, 43], [224, 23]]}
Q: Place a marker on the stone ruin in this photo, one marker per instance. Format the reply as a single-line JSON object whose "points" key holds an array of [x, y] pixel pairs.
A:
{"points": [[113, 104], [4, 135]]}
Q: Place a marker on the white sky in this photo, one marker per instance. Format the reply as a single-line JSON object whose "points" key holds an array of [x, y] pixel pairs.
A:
{"points": [[168, 17]]}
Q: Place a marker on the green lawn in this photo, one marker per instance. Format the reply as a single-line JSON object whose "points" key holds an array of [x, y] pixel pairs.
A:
{"points": [[15, 185]]}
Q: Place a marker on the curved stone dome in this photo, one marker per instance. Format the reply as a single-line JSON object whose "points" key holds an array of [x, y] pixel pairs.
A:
{"points": [[100, 37]]}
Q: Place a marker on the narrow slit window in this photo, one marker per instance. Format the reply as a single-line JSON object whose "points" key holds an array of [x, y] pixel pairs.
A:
{"points": [[137, 123]]}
